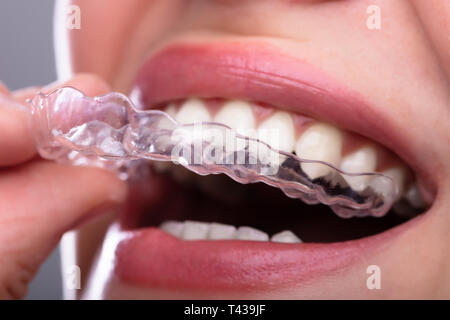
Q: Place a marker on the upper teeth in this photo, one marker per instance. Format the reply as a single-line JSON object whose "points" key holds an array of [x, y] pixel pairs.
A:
{"points": [[319, 141], [192, 230], [361, 160], [193, 110], [413, 197], [397, 174], [238, 115], [278, 131]]}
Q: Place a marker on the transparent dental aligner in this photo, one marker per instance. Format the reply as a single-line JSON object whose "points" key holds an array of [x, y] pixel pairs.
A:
{"points": [[107, 131]]}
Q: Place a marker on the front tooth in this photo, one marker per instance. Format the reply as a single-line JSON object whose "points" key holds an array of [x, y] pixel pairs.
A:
{"points": [[165, 123], [285, 237], [238, 115], [193, 230], [171, 110], [192, 111], [249, 233], [278, 132], [362, 160], [220, 231], [398, 175], [319, 142], [174, 228]]}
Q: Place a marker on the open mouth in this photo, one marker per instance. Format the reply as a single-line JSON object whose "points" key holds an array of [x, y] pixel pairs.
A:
{"points": [[193, 207], [191, 231]]}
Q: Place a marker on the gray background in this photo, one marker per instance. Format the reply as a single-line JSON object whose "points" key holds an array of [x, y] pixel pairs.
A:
{"points": [[26, 59]]}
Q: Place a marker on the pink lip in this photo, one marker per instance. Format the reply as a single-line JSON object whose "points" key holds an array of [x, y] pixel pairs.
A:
{"points": [[253, 72], [155, 259]]}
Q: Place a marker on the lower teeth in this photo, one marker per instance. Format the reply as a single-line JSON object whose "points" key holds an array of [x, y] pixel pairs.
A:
{"points": [[194, 230]]}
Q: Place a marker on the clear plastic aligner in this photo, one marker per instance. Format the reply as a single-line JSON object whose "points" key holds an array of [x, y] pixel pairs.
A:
{"points": [[107, 131]]}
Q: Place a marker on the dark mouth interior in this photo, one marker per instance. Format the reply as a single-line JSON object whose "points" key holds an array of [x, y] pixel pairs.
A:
{"points": [[217, 198]]}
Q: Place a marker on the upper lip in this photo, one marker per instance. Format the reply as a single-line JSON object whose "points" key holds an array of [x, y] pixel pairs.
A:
{"points": [[258, 72]]}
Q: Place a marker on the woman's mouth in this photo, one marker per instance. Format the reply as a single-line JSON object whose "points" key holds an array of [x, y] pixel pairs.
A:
{"points": [[185, 231]]}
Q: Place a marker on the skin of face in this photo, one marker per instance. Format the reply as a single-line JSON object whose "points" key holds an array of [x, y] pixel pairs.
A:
{"points": [[403, 68]]}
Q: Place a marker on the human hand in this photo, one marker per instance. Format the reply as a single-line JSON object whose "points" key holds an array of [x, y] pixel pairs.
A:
{"points": [[41, 200]]}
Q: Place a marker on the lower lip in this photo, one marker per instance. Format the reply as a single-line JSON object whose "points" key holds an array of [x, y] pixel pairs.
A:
{"points": [[154, 259]]}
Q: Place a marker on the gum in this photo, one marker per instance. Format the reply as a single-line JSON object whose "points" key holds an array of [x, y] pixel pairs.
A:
{"points": [[108, 132]]}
